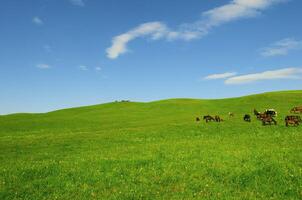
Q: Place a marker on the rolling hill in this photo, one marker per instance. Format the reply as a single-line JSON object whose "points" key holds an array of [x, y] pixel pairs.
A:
{"points": [[155, 150]]}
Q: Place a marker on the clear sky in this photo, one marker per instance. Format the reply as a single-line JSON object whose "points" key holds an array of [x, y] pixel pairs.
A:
{"points": [[65, 53]]}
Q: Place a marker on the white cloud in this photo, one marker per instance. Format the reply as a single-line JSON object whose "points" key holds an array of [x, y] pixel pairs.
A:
{"points": [[154, 29], [37, 21], [282, 47], [83, 68], [43, 66], [286, 73], [234, 10], [220, 76], [77, 2]]}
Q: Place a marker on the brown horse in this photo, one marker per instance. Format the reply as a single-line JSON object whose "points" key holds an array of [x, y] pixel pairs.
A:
{"points": [[261, 116], [293, 120], [268, 120], [267, 113], [296, 110]]}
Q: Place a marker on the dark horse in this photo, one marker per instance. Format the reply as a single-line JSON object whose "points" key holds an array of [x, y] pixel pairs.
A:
{"points": [[247, 118], [218, 119], [208, 118]]}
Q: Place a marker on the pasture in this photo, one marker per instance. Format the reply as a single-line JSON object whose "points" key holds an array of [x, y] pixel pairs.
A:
{"points": [[156, 150]]}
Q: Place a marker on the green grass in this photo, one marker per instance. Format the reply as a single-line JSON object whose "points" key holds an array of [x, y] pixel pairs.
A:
{"points": [[153, 150]]}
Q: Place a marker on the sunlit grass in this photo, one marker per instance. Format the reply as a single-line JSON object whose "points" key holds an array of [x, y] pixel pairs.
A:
{"points": [[153, 151]]}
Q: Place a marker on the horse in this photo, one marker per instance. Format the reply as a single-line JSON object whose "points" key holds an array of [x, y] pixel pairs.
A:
{"points": [[247, 118], [261, 116], [218, 119], [293, 120], [208, 118], [296, 110], [271, 112], [197, 119], [268, 120], [231, 114]]}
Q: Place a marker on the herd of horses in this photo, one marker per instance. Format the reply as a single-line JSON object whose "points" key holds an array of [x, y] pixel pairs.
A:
{"points": [[267, 117]]}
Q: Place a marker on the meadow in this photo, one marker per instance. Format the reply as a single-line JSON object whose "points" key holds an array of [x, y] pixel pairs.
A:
{"points": [[155, 150]]}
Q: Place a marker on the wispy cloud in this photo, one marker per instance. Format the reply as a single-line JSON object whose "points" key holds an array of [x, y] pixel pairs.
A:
{"points": [[77, 2], [220, 76], [37, 21], [83, 68], [155, 29], [98, 69], [43, 66], [234, 10], [286, 73], [282, 47]]}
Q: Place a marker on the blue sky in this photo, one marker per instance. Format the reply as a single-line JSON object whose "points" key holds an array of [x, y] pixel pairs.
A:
{"points": [[65, 53]]}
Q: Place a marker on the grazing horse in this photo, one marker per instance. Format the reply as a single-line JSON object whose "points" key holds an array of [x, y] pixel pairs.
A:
{"points": [[208, 118], [268, 120], [261, 116], [197, 119], [231, 114], [247, 118], [296, 110], [218, 119], [292, 120]]}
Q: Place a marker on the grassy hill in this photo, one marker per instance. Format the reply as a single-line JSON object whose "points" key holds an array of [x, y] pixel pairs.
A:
{"points": [[156, 150]]}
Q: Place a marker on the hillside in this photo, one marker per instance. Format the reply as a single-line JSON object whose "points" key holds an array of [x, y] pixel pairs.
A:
{"points": [[133, 114], [155, 150]]}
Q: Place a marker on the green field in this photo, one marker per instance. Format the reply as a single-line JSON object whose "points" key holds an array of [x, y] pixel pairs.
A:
{"points": [[156, 150]]}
